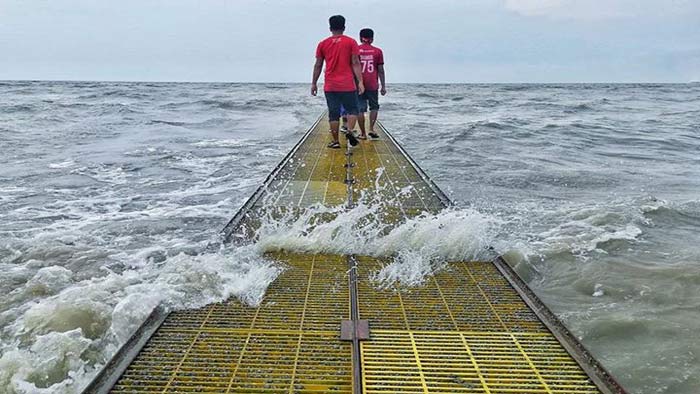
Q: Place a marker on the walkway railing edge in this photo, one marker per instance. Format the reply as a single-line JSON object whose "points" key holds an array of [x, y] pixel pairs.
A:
{"points": [[590, 365], [113, 370], [438, 192], [255, 197]]}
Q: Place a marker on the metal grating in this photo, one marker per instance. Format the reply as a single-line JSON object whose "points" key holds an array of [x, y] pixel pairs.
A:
{"points": [[399, 183], [314, 174], [469, 362], [289, 344], [240, 362], [465, 330], [463, 297]]}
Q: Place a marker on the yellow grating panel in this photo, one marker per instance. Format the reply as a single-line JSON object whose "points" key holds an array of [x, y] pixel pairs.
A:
{"points": [[504, 301], [240, 362], [315, 174], [469, 296], [461, 362], [399, 183], [289, 344]]}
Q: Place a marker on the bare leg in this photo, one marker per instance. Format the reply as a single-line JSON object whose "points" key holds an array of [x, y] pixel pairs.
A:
{"points": [[361, 121], [334, 130], [372, 120], [352, 119]]}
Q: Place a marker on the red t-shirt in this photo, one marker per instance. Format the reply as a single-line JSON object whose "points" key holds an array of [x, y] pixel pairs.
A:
{"points": [[370, 58], [337, 52]]}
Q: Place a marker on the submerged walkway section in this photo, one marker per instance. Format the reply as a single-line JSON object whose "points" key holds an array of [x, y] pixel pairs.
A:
{"points": [[326, 327]]}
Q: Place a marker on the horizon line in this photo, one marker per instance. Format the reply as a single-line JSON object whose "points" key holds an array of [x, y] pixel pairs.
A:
{"points": [[397, 83]]}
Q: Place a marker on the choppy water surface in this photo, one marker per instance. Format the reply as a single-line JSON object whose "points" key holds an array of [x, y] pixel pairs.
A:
{"points": [[112, 195]]}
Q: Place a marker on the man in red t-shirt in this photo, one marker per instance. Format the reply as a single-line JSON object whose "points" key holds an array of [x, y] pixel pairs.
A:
{"points": [[372, 61], [340, 53]]}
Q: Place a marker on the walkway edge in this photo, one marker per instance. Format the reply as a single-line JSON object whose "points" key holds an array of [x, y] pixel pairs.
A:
{"points": [[595, 371], [232, 225], [113, 370], [435, 189]]}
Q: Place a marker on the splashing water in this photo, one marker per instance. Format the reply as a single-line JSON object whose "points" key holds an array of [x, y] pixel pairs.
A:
{"points": [[418, 245]]}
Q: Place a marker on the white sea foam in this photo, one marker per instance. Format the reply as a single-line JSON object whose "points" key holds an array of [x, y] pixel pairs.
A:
{"points": [[598, 290], [417, 246], [582, 230], [57, 312], [223, 143], [271, 152], [12, 189], [148, 151], [104, 311], [629, 233], [104, 173], [51, 365], [200, 165], [653, 205], [63, 164]]}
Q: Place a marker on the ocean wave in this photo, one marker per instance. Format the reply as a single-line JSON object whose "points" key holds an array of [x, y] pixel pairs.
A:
{"points": [[482, 124], [418, 245], [107, 109], [169, 122], [583, 231], [102, 313], [18, 108], [230, 104], [516, 87], [210, 123], [277, 87], [224, 143], [677, 214], [62, 165], [259, 103], [576, 108], [222, 104], [149, 151], [694, 112]]}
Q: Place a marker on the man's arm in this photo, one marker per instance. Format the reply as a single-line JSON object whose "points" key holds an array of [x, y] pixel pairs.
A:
{"points": [[317, 73], [357, 70], [380, 71]]}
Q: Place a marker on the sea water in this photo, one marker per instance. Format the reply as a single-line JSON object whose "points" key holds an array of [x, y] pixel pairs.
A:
{"points": [[112, 196]]}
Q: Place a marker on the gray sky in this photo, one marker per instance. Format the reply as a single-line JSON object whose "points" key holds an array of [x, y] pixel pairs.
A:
{"points": [[434, 41]]}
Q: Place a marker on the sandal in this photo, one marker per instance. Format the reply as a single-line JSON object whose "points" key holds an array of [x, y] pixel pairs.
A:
{"points": [[334, 145], [351, 139]]}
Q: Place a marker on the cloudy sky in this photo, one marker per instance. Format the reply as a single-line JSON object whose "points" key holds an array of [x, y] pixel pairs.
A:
{"points": [[433, 41]]}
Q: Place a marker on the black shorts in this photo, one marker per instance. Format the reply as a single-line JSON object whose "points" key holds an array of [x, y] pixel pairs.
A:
{"points": [[370, 97], [335, 99]]}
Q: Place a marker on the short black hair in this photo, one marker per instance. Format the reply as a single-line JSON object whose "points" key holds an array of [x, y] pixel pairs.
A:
{"points": [[337, 22], [367, 33]]}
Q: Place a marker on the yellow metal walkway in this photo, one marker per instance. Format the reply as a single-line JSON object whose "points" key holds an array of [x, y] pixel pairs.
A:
{"points": [[472, 328]]}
